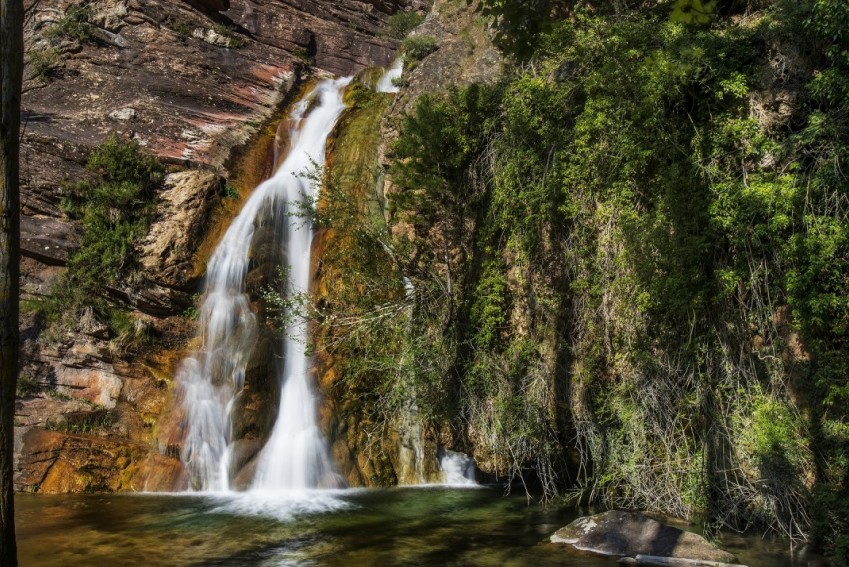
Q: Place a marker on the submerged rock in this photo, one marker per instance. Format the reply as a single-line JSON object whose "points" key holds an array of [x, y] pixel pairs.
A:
{"points": [[631, 534], [654, 561]]}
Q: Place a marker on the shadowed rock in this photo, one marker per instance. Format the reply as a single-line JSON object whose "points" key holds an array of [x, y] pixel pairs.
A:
{"points": [[211, 7], [48, 240]]}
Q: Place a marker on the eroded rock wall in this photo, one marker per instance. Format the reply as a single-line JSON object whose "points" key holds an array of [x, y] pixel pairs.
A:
{"points": [[192, 84]]}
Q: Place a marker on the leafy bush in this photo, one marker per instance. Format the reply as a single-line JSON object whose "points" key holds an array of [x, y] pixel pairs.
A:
{"points": [[182, 29], [119, 161], [75, 24], [519, 24], [400, 24], [26, 385], [114, 209], [231, 192], [418, 47], [614, 227], [302, 54], [42, 61]]}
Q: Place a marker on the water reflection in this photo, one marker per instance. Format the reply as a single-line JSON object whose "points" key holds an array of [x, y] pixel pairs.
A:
{"points": [[339, 528]]}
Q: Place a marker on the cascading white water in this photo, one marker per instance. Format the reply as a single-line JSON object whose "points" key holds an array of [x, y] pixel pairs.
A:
{"points": [[458, 469], [387, 83], [295, 456]]}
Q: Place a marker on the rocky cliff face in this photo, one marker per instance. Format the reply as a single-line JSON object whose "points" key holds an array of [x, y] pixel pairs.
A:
{"points": [[339, 37], [192, 82]]}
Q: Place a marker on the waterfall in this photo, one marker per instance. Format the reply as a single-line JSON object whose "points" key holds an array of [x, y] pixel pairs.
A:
{"points": [[295, 456], [386, 84], [458, 469]]}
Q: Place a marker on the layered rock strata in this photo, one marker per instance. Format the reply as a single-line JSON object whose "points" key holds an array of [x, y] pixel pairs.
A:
{"points": [[192, 82]]}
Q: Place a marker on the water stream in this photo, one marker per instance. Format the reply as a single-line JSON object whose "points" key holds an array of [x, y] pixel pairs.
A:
{"points": [[295, 456], [458, 469], [388, 82], [414, 526]]}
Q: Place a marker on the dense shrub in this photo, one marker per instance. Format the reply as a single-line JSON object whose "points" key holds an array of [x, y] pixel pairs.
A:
{"points": [[620, 237], [400, 24], [75, 24], [41, 62], [418, 47], [114, 208]]}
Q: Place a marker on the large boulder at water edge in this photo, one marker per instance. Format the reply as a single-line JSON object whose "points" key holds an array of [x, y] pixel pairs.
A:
{"points": [[634, 535]]}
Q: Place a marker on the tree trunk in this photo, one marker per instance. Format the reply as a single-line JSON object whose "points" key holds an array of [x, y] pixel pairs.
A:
{"points": [[11, 77]]}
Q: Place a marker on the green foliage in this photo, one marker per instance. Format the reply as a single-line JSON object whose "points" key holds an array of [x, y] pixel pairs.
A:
{"points": [[26, 386], [231, 192], [123, 162], [42, 62], [400, 24], [114, 209], [774, 438], [90, 423], [828, 21], [74, 25], [283, 305], [489, 307], [519, 24], [359, 95], [418, 47], [831, 527], [182, 29], [495, 384], [693, 11], [193, 311], [818, 258], [302, 54], [612, 222], [441, 141], [128, 333]]}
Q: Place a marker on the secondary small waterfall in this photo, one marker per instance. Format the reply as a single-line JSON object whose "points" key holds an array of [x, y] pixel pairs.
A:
{"points": [[295, 456], [387, 83], [458, 469]]}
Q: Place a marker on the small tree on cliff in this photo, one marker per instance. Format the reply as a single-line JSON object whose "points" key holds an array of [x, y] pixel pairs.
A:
{"points": [[11, 77]]}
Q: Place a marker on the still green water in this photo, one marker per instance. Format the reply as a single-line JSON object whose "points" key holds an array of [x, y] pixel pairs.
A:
{"points": [[421, 526]]}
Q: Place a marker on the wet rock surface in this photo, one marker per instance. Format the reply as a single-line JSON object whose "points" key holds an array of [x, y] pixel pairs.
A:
{"points": [[631, 534], [56, 462], [88, 408]]}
